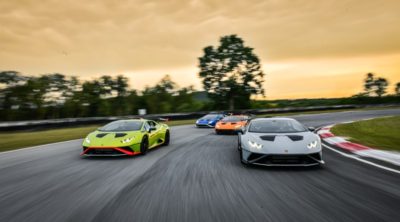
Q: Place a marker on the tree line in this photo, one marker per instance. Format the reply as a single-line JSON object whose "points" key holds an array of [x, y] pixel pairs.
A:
{"points": [[59, 96]]}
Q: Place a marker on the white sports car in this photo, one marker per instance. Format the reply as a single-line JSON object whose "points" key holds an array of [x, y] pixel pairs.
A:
{"points": [[279, 142]]}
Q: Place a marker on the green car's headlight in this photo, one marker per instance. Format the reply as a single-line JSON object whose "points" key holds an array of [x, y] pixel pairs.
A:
{"points": [[127, 140], [87, 140]]}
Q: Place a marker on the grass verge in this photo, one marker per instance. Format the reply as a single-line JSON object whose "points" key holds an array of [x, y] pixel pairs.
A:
{"points": [[15, 140], [381, 133]]}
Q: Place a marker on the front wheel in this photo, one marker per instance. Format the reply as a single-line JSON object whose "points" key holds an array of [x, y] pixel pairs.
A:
{"points": [[144, 145], [166, 139]]}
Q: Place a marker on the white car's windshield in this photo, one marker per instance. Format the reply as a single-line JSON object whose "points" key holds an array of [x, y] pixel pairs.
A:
{"points": [[122, 125], [276, 126]]}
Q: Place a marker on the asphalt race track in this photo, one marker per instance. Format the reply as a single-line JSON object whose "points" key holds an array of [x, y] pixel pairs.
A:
{"points": [[197, 178]]}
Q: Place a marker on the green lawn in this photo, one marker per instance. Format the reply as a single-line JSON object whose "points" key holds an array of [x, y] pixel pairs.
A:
{"points": [[15, 140], [381, 133]]}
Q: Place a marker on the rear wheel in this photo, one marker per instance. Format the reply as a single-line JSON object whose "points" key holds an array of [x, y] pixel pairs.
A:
{"points": [[166, 138], [217, 132], [144, 145]]}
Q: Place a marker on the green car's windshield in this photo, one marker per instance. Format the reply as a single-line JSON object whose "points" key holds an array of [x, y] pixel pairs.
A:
{"points": [[122, 125]]}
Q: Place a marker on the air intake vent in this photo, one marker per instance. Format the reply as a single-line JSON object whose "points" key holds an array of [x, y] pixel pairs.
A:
{"points": [[120, 135], [268, 138], [101, 135], [295, 137]]}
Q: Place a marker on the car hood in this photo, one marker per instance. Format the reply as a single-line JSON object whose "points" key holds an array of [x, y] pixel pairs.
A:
{"points": [[282, 143], [104, 139]]}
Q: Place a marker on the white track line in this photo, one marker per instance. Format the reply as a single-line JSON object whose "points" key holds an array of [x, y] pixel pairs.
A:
{"points": [[361, 160], [36, 147]]}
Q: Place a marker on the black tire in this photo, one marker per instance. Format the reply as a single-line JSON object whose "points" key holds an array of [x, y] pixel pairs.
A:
{"points": [[217, 132], [144, 145], [166, 138]]}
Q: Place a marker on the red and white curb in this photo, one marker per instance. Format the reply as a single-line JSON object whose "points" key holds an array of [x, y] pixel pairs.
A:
{"points": [[358, 149]]}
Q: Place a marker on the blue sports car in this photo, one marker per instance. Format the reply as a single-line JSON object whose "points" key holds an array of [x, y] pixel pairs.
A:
{"points": [[209, 120]]}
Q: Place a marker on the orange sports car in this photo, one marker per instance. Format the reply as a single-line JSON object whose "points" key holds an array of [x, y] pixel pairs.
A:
{"points": [[232, 123]]}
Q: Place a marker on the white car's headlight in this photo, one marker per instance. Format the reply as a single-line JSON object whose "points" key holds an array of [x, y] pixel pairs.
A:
{"points": [[312, 145], [87, 140], [255, 145], [127, 140]]}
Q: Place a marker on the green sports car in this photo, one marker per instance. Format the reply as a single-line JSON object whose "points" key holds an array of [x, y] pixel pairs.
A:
{"points": [[126, 137]]}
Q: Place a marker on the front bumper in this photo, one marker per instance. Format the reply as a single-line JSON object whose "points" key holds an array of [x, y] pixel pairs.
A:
{"points": [[108, 151], [311, 159], [219, 130]]}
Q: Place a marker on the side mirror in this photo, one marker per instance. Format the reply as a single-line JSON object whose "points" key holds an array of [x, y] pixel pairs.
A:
{"points": [[312, 129]]}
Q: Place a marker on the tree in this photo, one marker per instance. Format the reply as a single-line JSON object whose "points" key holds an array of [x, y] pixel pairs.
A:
{"points": [[231, 73], [397, 89], [121, 86], [380, 86], [91, 94], [374, 86], [10, 78], [369, 83], [158, 99], [9, 81]]}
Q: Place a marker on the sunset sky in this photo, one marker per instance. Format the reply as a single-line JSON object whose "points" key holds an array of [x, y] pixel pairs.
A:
{"points": [[308, 49]]}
